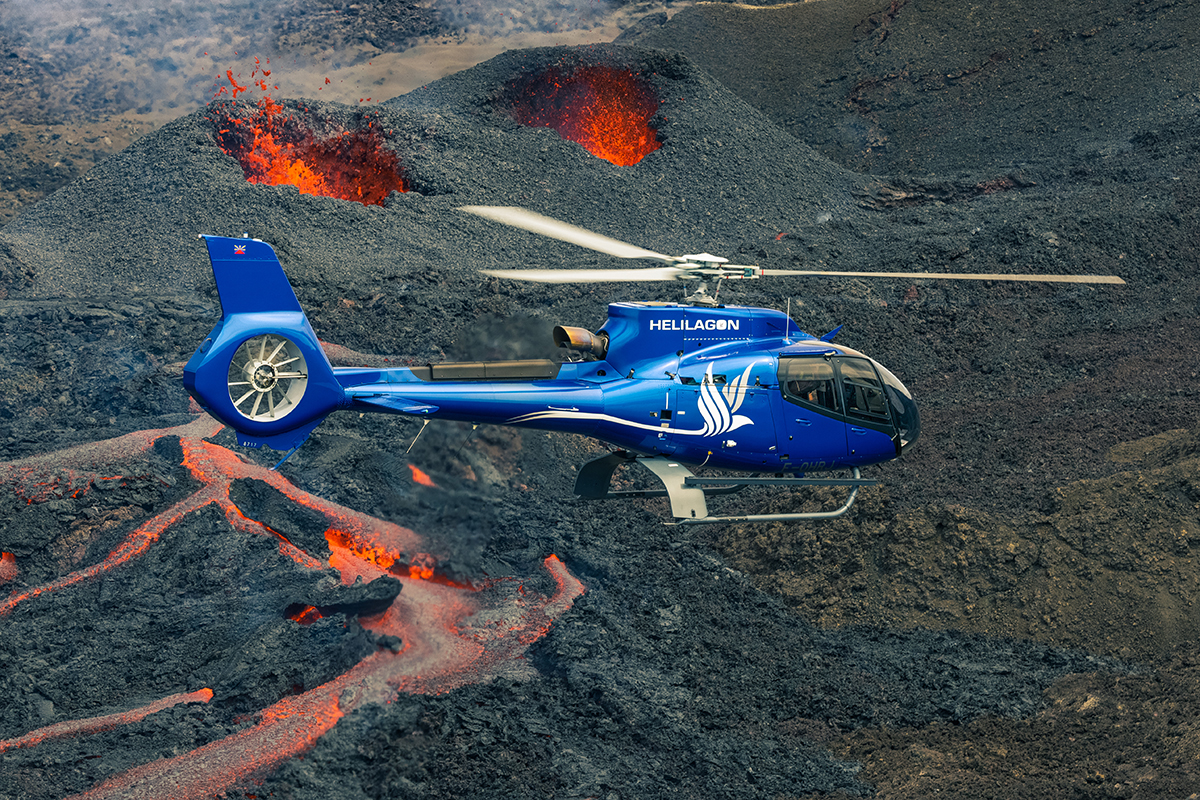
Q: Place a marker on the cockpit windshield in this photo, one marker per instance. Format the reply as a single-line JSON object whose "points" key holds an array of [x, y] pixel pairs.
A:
{"points": [[863, 391], [904, 408], [855, 388]]}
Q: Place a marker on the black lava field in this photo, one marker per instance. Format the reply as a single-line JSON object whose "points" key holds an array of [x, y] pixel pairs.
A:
{"points": [[372, 621]]}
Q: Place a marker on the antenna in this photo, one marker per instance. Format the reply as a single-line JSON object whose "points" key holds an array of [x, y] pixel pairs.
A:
{"points": [[787, 326]]}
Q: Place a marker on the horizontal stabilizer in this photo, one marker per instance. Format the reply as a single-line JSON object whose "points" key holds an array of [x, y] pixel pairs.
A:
{"points": [[398, 405]]}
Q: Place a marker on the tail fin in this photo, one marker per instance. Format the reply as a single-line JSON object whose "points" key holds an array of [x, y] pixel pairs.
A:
{"points": [[249, 276], [262, 370]]}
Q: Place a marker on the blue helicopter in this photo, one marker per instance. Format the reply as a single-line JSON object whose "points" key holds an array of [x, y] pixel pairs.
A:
{"points": [[668, 385]]}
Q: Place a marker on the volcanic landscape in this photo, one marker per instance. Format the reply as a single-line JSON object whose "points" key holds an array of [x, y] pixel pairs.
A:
{"points": [[1011, 612]]}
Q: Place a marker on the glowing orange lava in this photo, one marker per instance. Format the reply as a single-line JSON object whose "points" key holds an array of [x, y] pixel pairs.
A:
{"points": [[421, 477], [276, 147], [605, 109], [452, 634], [8, 567], [351, 553], [107, 722], [305, 616], [450, 640]]}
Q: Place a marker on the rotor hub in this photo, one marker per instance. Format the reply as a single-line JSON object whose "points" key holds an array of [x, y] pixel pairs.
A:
{"points": [[263, 378]]}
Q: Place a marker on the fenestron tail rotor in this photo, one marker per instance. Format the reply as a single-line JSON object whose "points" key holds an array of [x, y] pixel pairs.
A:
{"points": [[699, 267], [267, 377]]}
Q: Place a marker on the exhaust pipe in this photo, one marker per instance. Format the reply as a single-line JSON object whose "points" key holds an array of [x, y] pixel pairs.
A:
{"points": [[582, 340]]}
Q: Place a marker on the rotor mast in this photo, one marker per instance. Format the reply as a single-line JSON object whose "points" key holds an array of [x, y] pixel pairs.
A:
{"points": [[705, 267]]}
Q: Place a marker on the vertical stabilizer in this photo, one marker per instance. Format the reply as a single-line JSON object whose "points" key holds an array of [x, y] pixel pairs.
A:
{"points": [[249, 276]]}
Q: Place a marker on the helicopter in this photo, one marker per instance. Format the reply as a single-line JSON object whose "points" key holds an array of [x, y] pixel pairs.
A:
{"points": [[669, 386]]}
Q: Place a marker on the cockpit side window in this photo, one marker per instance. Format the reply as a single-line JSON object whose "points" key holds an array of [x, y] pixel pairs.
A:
{"points": [[809, 381], [863, 392]]}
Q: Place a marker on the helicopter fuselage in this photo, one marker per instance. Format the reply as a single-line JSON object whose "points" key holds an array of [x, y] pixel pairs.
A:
{"points": [[700, 385], [723, 386]]}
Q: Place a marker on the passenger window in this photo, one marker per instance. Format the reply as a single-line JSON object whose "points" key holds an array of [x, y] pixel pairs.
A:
{"points": [[863, 392], [809, 381]]}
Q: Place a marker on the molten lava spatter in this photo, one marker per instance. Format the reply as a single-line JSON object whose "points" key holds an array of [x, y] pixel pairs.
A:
{"points": [[350, 551], [420, 476], [305, 615], [605, 109], [451, 634], [276, 146], [8, 567]]}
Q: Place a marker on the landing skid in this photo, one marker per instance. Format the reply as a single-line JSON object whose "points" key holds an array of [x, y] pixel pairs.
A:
{"points": [[688, 494]]}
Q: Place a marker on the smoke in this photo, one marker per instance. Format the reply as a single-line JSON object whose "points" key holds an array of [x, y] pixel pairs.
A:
{"points": [[484, 18], [94, 56], [164, 60]]}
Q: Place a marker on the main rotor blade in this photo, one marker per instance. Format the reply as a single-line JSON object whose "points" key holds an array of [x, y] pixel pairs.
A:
{"points": [[546, 226], [587, 275], [949, 276]]}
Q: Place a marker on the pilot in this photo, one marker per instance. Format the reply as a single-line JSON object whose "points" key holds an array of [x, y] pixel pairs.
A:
{"points": [[805, 390]]}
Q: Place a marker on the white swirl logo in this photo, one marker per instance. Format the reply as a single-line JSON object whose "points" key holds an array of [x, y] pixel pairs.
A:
{"points": [[718, 407]]}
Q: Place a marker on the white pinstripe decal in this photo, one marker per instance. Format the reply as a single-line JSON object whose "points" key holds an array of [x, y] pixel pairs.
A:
{"points": [[718, 408]]}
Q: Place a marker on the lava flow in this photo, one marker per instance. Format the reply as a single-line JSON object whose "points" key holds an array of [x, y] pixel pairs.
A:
{"points": [[276, 146], [450, 634], [605, 109], [107, 722]]}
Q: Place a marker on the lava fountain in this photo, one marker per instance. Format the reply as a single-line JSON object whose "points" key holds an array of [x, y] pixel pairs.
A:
{"points": [[280, 146], [606, 109]]}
